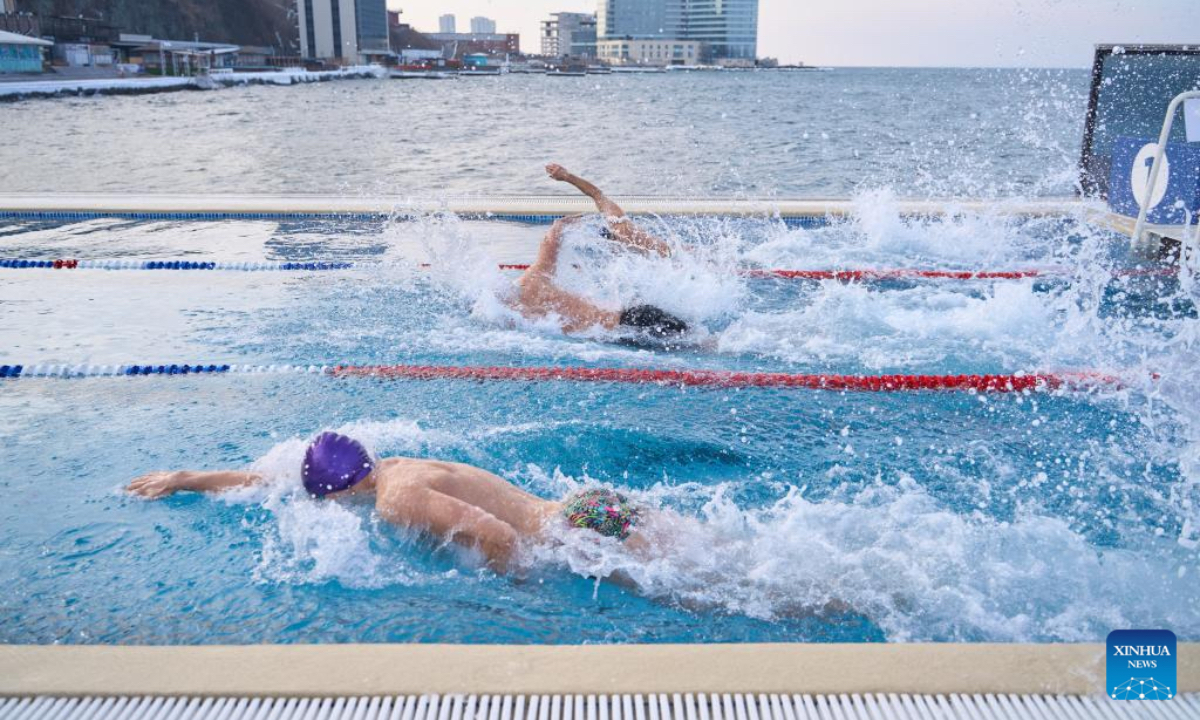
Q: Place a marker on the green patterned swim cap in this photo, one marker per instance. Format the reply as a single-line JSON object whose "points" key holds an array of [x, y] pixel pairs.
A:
{"points": [[606, 511]]}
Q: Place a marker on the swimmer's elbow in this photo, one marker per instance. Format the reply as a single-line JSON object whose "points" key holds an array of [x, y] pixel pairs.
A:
{"points": [[564, 222], [498, 541]]}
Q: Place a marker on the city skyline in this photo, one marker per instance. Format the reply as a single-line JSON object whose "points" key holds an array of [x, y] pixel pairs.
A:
{"points": [[1000, 33]]}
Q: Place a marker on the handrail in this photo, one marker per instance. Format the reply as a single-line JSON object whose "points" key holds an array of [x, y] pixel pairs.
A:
{"points": [[1163, 136]]}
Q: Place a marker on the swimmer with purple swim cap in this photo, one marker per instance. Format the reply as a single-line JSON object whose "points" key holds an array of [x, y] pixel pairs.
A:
{"points": [[454, 501], [466, 505], [539, 295], [334, 463]]}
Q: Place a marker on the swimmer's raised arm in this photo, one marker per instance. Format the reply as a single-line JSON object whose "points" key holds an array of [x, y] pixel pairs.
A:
{"points": [[604, 204], [161, 484], [622, 228]]}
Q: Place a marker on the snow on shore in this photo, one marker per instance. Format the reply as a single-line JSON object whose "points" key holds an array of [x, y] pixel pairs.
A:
{"points": [[139, 85]]}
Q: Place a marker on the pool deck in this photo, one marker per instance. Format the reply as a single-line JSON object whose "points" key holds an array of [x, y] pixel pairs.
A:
{"points": [[362, 670], [514, 205]]}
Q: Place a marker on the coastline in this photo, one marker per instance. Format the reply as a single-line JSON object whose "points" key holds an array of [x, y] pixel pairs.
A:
{"points": [[23, 90]]}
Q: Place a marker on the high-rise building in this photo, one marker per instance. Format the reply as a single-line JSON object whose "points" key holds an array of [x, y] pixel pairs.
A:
{"points": [[728, 29], [634, 18], [569, 33], [372, 26], [483, 26], [446, 24], [348, 31]]}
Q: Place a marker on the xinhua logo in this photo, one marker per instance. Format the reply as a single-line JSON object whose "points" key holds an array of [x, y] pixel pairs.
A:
{"points": [[1141, 665]]}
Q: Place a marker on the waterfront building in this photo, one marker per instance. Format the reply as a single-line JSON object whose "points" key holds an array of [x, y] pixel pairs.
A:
{"points": [[653, 51], [569, 34], [78, 42], [483, 26], [21, 53], [447, 24], [344, 31], [637, 18], [182, 57], [728, 29], [457, 45], [410, 46]]}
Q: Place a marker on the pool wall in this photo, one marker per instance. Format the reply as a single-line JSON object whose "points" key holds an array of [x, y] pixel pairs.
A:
{"points": [[529, 208], [339, 670]]}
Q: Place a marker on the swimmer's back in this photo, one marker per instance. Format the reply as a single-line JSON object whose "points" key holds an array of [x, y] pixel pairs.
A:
{"points": [[467, 483]]}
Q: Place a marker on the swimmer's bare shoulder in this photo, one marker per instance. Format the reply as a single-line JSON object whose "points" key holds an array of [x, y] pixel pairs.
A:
{"points": [[397, 476], [417, 468]]}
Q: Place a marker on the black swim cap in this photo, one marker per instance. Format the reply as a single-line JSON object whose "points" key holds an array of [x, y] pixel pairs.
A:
{"points": [[653, 321]]}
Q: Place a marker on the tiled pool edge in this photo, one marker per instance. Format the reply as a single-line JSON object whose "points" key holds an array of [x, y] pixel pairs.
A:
{"points": [[360, 670]]}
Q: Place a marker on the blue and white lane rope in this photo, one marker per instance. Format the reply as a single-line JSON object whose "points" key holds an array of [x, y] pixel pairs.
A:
{"points": [[70, 264], [84, 371]]}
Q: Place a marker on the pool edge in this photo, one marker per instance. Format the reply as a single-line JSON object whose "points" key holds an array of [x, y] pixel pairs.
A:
{"points": [[535, 207], [389, 669]]}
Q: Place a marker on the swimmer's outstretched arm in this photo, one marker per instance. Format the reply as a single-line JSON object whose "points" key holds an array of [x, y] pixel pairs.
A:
{"points": [[622, 228], [161, 484]]}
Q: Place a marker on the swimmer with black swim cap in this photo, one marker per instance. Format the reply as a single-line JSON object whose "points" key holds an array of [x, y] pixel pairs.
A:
{"points": [[538, 295]]}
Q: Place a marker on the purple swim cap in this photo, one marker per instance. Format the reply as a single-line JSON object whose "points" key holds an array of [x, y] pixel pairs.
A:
{"points": [[335, 462]]}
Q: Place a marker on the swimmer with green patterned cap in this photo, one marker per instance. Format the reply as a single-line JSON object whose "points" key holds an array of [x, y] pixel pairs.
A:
{"points": [[539, 296], [452, 501]]}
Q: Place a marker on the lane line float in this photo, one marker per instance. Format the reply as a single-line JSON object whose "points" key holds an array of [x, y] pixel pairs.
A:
{"points": [[852, 275], [988, 383]]}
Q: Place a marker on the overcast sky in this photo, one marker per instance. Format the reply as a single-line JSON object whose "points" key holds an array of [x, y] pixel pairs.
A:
{"points": [[1043, 33]]}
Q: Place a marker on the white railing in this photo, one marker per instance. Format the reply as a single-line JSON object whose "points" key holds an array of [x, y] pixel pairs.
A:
{"points": [[1163, 136]]}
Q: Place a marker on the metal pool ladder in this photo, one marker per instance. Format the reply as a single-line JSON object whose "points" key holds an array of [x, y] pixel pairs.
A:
{"points": [[603, 707], [1152, 181]]}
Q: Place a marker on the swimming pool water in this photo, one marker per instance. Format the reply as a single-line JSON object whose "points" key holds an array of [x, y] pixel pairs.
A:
{"points": [[934, 516]]}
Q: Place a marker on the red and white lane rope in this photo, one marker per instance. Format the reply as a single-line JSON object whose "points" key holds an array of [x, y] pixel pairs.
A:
{"points": [[990, 383]]}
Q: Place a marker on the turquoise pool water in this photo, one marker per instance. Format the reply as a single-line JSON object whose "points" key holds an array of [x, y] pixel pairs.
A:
{"points": [[934, 516]]}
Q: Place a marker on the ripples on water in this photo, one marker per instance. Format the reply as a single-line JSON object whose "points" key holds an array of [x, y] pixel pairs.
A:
{"points": [[934, 516], [991, 133]]}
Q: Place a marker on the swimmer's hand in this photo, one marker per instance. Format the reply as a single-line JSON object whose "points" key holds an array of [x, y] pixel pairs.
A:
{"points": [[157, 484], [558, 172]]}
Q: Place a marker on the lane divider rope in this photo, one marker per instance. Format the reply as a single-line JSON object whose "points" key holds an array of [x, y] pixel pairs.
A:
{"points": [[990, 383], [73, 264], [863, 275]]}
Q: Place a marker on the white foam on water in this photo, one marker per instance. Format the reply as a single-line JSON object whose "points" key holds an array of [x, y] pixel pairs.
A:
{"points": [[312, 541], [876, 235], [695, 287], [1001, 325], [893, 554]]}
